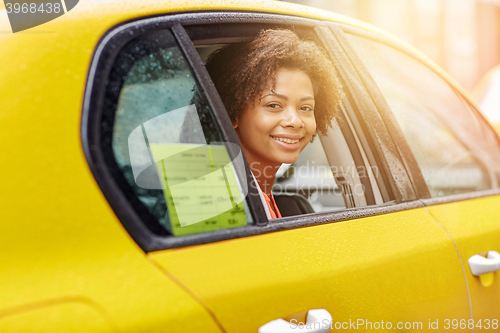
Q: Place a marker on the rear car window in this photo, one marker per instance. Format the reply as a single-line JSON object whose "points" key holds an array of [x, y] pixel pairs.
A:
{"points": [[166, 143]]}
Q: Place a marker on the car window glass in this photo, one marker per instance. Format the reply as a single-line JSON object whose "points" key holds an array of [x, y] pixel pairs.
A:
{"points": [[166, 143], [451, 146]]}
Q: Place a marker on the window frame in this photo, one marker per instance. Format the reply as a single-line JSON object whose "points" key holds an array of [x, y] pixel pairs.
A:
{"points": [[370, 121], [105, 54], [394, 128], [200, 34]]}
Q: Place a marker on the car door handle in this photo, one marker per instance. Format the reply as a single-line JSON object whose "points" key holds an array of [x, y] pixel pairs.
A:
{"points": [[480, 265], [317, 321]]}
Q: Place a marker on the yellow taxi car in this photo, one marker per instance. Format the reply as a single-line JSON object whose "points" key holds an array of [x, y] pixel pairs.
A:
{"points": [[93, 103]]}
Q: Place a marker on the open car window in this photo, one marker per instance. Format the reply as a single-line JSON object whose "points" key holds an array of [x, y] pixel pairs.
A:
{"points": [[326, 176]]}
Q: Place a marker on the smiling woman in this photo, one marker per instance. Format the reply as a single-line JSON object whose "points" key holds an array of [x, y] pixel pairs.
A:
{"points": [[279, 91], [278, 124]]}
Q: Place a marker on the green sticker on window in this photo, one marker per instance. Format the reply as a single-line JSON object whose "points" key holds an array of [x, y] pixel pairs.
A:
{"points": [[200, 187]]}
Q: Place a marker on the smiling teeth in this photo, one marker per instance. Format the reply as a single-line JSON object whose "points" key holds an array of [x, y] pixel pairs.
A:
{"points": [[285, 140]]}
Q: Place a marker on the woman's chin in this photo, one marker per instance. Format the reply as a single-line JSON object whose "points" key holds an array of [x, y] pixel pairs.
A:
{"points": [[288, 159]]}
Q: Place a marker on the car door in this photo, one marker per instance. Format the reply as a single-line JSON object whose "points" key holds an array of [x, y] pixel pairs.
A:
{"points": [[154, 113], [458, 155]]}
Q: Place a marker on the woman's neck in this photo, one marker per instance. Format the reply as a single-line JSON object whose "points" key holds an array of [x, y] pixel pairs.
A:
{"points": [[264, 174]]}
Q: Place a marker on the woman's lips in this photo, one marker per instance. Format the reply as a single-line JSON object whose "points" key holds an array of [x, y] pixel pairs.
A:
{"points": [[288, 143], [289, 139]]}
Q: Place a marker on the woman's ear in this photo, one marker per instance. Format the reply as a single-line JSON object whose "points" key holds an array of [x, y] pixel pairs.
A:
{"points": [[235, 123]]}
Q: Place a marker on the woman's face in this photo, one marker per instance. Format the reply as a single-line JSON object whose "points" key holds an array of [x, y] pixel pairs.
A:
{"points": [[277, 126]]}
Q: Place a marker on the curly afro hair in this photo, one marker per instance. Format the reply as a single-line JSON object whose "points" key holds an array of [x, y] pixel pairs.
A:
{"points": [[243, 71]]}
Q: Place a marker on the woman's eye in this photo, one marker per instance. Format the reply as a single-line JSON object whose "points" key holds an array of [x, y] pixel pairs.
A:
{"points": [[307, 108], [273, 105]]}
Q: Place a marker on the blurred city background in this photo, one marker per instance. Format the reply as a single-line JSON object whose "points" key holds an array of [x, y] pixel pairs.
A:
{"points": [[462, 36]]}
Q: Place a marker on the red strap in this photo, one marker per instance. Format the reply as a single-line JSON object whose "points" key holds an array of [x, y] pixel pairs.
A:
{"points": [[268, 201]]}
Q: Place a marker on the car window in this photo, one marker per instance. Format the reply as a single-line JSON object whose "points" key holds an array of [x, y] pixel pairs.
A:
{"points": [[166, 143], [167, 169], [320, 182], [456, 153]]}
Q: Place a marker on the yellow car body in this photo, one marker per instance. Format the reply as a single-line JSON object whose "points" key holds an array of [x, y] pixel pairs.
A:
{"points": [[68, 264]]}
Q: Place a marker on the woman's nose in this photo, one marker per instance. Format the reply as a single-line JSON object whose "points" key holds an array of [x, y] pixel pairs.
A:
{"points": [[292, 118]]}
